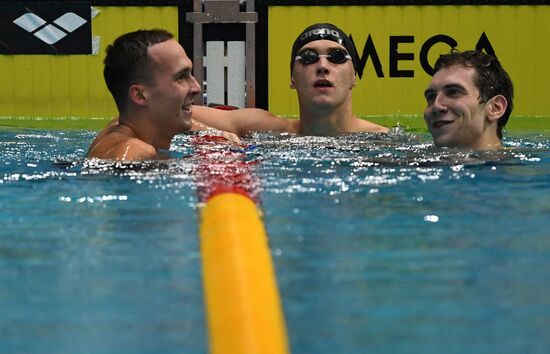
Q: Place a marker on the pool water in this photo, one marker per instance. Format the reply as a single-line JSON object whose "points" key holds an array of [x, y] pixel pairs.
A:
{"points": [[381, 245]]}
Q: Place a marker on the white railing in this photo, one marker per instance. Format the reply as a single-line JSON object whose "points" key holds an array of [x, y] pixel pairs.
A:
{"points": [[230, 71], [225, 73]]}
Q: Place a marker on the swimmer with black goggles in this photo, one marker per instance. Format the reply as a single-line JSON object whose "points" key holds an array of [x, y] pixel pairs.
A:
{"points": [[324, 91]]}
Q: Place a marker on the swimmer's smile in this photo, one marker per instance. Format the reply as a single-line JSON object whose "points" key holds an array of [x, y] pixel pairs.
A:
{"points": [[186, 108], [441, 123]]}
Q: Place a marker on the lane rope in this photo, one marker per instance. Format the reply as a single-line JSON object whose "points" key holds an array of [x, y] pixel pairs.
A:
{"points": [[243, 307]]}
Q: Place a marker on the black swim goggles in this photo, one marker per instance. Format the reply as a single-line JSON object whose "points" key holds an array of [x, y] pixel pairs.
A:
{"points": [[337, 56]]}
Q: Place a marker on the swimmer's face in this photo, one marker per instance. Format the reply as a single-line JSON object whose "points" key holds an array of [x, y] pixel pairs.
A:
{"points": [[454, 114], [323, 82], [174, 88]]}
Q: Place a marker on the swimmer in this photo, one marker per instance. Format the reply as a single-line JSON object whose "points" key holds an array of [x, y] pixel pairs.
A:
{"points": [[323, 67], [469, 101], [149, 75]]}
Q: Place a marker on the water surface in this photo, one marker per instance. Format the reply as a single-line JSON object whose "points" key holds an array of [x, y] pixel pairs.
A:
{"points": [[382, 244]]}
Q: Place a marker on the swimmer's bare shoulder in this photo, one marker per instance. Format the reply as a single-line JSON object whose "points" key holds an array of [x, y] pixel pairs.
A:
{"points": [[115, 143], [364, 125]]}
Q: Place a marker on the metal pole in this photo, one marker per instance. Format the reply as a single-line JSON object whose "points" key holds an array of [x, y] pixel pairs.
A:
{"points": [[198, 53], [250, 53]]}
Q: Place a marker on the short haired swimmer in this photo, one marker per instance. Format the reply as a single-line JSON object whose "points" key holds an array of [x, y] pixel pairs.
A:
{"points": [[127, 62], [469, 101], [323, 64], [149, 75]]}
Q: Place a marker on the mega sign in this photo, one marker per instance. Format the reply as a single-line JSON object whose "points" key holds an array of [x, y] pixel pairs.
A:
{"points": [[397, 47], [395, 55]]}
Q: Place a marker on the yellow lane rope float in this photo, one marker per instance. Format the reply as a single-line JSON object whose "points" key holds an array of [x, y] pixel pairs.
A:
{"points": [[243, 307]]}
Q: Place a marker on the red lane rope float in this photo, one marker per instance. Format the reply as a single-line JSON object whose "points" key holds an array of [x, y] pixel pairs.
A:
{"points": [[223, 169], [243, 307]]}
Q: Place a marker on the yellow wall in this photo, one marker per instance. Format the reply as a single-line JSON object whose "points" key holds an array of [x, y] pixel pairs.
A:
{"points": [[518, 34], [72, 85]]}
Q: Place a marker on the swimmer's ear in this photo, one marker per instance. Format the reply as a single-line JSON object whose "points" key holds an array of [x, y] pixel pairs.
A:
{"points": [[137, 95], [496, 107]]}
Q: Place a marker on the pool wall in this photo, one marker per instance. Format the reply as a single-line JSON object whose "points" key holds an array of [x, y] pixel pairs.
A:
{"points": [[398, 45], [396, 53]]}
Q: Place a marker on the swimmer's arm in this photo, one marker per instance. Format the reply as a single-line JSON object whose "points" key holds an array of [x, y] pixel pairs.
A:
{"points": [[241, 121]]}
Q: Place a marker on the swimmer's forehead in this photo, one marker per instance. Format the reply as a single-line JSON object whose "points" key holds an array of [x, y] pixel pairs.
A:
{"points": [[452, 76]]}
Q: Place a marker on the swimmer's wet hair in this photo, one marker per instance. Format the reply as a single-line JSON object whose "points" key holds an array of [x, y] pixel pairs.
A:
{"points": [[491, 78], [127, 62]]}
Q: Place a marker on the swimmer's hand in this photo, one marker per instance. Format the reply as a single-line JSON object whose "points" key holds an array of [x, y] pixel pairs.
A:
{"points": [[227, 135], [231, 137]]}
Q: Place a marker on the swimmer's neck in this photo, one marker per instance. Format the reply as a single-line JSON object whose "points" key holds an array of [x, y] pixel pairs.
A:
{"points": [[145, 131], [488, 141], [326, 121]]}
